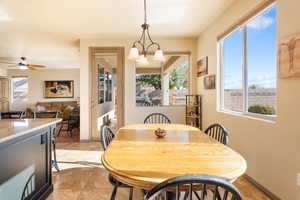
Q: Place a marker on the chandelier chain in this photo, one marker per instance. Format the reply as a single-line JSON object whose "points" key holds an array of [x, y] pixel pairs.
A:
{"points": [[145, 11], [145, 42]]}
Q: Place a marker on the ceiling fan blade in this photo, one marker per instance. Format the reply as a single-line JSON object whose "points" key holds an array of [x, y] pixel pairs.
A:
{"points": [[31, 68], [7, 62], [37, 66], [14, 65]]}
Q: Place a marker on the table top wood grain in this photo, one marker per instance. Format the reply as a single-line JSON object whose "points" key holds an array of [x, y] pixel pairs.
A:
{"points": [[138, 158]]}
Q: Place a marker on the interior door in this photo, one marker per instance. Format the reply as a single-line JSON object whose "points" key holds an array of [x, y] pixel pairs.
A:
{"points": [[107, 88], [4, 94]]}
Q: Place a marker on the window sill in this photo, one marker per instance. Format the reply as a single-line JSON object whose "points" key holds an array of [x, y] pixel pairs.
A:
{"points": [[264, 118]]}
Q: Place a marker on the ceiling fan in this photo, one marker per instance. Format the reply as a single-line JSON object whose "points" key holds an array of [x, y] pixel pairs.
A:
{"points": [[23, 64]]}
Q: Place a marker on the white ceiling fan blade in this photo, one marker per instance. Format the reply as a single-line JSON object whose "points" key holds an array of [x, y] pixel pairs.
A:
{"points": [[7, 62], [14, 65], [12, 60]]}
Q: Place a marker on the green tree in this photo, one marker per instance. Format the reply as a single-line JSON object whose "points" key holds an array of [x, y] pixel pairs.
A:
{"points": [[153, 80], [179, 77], [262, 109], [253, 86], [173, 80]]}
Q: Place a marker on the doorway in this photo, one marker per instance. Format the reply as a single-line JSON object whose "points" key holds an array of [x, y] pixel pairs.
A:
{"points": [[107, 89], [4, 94]]}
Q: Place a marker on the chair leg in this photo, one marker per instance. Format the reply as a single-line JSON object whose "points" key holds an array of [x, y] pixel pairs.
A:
{"points": [[54, 162], [130, 193], [59, 131], [69, 128], [114, 192]]}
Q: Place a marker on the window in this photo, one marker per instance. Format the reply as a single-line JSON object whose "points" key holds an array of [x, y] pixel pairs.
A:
{"points": [[163, 84], [19, 89], [248, 66]]}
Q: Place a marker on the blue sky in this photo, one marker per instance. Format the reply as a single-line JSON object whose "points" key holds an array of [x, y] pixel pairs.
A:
{"points": [[261, 53]]}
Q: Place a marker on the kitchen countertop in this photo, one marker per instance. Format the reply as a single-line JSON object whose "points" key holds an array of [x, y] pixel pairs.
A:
{"points": [[11, 128]]}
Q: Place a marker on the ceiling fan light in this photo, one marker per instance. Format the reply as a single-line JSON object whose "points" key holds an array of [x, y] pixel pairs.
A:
{"points": [[23, 67], [133, 54], [143, 61], [159, 55]]}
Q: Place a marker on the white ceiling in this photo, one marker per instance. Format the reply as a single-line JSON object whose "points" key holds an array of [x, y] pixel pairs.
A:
{"points": [[48, 31]]}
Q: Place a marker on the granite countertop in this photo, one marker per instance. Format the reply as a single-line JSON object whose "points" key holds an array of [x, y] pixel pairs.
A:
{"points": [[11, 128]]}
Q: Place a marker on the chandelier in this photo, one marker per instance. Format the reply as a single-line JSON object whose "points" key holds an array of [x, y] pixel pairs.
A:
{"points": [[143, 46]]}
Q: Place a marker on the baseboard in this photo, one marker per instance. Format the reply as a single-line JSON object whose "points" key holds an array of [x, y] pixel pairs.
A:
{"points": [[261, 188]]}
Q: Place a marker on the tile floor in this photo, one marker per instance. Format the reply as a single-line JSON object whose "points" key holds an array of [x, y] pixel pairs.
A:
{"points": [[82, 176]]}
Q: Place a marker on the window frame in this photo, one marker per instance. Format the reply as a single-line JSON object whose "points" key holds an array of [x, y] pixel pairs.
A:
{"points": [[220, 71], [190, 77], [12, 90]]}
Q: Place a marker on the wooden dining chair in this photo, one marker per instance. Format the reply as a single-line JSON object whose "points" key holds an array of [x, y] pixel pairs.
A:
{"points": [[218, 132], [29, 188], [50, 114], [157, 118], [195, 186], [107, 135]]}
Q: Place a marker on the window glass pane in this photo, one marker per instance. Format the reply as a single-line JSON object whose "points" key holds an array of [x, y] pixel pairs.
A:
{"points": [[148, 84], [178, 75], [232, 72], [20, 89], [160, 84], [261, 58]]}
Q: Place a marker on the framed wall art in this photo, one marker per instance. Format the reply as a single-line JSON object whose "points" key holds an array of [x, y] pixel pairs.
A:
{"points": [[202, 66], [59, 89], [210, 82]]}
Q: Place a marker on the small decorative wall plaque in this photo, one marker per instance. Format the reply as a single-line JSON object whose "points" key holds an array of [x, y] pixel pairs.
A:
{"points": [[289, 58]]}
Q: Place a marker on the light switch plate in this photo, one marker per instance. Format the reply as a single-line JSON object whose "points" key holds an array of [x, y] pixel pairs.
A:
{"points": [[298, 179]]}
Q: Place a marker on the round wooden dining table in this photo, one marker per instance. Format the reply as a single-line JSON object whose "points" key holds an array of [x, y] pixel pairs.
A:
{"points": [[139, 158]]}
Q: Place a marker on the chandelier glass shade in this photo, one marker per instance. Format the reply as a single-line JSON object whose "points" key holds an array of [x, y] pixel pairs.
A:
{"points": [[141, 48]]}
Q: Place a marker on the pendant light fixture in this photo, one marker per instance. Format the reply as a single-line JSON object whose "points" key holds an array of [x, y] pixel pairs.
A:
{"points": [[143, 46]]}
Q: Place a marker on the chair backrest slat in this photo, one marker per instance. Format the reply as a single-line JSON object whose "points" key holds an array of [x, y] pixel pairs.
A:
{"points": [[209, 187], [218, 132], [157, 118], [107, 135]]}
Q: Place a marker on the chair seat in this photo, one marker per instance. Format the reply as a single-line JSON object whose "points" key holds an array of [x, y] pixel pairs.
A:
{"points": [[114, 181]]}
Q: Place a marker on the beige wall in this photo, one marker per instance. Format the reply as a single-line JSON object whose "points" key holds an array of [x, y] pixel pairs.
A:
{"points": [[36, 84], [271, 149], [133, 114], [3, 72]]}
